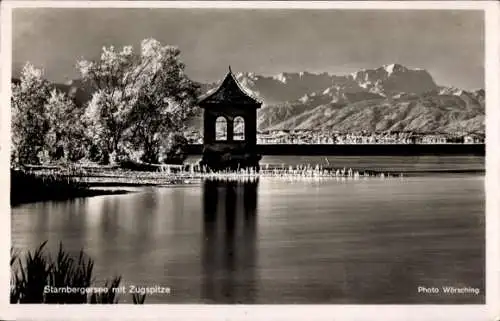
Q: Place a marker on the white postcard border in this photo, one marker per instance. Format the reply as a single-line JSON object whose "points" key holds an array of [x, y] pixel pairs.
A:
{"points": [[489, 311]]}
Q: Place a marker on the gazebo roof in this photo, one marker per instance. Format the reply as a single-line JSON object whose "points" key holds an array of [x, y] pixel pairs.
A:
{"points": [[228, 92]]}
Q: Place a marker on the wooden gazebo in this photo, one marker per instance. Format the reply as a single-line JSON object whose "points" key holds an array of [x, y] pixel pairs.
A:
{"points": [[229, 126]]}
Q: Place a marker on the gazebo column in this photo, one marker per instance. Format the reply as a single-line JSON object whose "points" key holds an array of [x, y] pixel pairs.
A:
{"points": [[230, 129], [251, 128], [208, 127]]}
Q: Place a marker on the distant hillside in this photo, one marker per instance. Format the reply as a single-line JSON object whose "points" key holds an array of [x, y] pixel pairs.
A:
{"points": [[391, 97], [430, 112]]}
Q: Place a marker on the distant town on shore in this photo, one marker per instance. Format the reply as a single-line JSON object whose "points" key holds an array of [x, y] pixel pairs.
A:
{"points": [[306, 136]]}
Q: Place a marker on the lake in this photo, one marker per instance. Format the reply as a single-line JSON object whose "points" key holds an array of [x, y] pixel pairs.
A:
{"points": [[405, 164], [335, 241]]}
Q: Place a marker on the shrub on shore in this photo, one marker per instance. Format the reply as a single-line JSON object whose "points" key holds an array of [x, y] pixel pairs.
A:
{"points": [[27, 186], [32, 273]]}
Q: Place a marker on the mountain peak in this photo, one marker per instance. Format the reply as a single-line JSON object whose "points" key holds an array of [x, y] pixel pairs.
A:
{"points": [[394, 78], [450, 91], [391, 68]]}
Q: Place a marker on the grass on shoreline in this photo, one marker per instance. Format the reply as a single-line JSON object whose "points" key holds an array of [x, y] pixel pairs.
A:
{"points": [[35, 273], [29, 186], [44, 183]]}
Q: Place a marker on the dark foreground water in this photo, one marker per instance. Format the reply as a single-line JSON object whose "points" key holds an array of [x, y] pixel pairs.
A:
{"points": [[277, 241]]}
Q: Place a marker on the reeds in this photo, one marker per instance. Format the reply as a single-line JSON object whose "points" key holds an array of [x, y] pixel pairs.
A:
{"points": [[32, 186], [38, 278], [194, 171], [31, 276], [73, 182], [28, 186], [109, 295]]}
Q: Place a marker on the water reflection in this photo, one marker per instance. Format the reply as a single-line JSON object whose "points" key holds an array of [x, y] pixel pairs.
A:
{"points": [[353, 242], [229, 241]]}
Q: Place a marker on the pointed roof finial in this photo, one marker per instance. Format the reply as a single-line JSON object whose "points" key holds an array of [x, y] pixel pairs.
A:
{"points": [[230, 69]]}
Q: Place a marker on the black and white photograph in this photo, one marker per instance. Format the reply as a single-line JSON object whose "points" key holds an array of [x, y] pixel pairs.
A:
{"points": [[247, 155]]}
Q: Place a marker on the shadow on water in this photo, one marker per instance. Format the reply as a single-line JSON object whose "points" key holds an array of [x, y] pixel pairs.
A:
{"points": [[355, 242], [229, 241]]}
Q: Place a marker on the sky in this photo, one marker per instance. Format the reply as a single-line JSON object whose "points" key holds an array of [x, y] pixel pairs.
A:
{"points": [[449, 44]]}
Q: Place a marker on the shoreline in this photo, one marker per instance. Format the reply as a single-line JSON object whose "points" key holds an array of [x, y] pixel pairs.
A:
{"points": [[90, 192], [115, 182], [361, 149]]}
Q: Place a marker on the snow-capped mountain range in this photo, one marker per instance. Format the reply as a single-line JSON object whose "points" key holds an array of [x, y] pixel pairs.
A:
{"points": [[390, 97], [385, 81]]}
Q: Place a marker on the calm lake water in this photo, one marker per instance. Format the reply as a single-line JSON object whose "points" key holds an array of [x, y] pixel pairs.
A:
{"points": [[275, 241], [382, 163]]}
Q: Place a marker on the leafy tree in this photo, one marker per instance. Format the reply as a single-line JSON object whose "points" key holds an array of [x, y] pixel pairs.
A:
{"points": [[166, 101], [140, 99], [65, 138], [108, 111], [29, 125], [172, 148]]}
